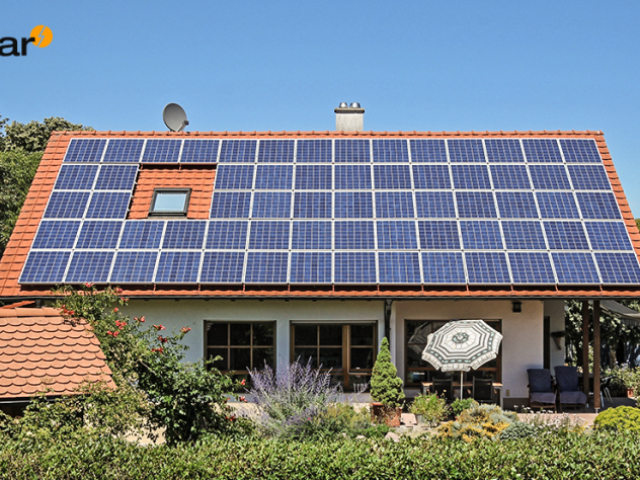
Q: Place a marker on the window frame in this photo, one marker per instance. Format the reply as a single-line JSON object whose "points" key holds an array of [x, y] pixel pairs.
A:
{"points": [[157, 213]]}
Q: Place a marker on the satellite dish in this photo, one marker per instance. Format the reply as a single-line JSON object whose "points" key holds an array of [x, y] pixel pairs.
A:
{"points": [[174, 117]]}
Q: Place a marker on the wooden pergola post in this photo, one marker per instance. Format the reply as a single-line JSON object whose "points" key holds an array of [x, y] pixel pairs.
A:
{"points": [[596, 355], [585, 347]]}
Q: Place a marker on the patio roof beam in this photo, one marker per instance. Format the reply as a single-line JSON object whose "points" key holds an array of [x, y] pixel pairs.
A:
{"points": [[596, 355], [585, 347]]}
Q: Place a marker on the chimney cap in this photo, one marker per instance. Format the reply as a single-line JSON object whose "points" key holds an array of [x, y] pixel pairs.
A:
{"points": [[354, 105], [343, 105]]}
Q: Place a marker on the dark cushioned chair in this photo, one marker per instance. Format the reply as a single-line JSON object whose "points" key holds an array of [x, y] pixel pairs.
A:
{"points": [[541, 394], [568, 389]]}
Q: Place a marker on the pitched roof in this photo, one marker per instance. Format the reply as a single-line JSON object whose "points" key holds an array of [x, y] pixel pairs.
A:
{"points": [[42, 352], [32, 213]]}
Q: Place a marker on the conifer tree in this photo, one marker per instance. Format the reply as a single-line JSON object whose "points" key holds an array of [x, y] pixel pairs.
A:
{"points": [[386, 387]]}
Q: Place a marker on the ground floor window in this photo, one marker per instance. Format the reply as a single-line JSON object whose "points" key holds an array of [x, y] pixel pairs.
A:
{"points": [[417, 370], [348, 350], [241, 345]]}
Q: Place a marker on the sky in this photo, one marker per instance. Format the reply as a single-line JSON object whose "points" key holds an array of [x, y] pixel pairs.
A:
{"points": [[281, 65]]}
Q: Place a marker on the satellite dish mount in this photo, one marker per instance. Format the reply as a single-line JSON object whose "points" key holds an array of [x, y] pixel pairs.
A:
{"points": [[174, 117]]}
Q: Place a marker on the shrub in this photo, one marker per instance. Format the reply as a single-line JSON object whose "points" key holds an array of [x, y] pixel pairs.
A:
{"points": [[461, 404], [432, 408], [619, 419], [386, 386], [480, 421], [340, 420], [518, 430]]}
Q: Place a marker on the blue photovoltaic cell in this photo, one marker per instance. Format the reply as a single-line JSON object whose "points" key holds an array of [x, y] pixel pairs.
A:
{"points": [[467, 150], [187, 234], [227, 235], [44, 267], [541, 150], [53, 234], [123, 151], [313, 177], [399, 267], [312, 205], [589, 177], [531, 268], [238, 151], [266, 267], [230, 204], [85, 150], [390, 150], [269, 235], [481, 235], [503, 150], [353, 205], [428, 150], [575, 268], [311, 235], [431, 176], [618, 268], [234, 177], [354, 235], [67, 205], [141, 234], [470, 176], [580, 151], [516, 205], [222, 267], [392, 176], [109, 205], [510, 177], [161, 151], [89, 267], [487, 267], [313, 151], [439, 235], [476, 205], [549, 177], [76, 177], [178, 267], [557, 205], [598, 205], [274, 177], [355, 267], [99, 234], [117, 177], [394, 205], [271, 205], [200, 151], [442, 267], [280, 151], [608, 236], [435, 205], [397, 235], [310, 267], [134, 267], [566, 236], [523, 236], [348, 151], [353, 177]]}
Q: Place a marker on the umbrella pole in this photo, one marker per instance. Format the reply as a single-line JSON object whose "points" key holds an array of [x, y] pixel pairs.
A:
{"points": [[461, 384]]}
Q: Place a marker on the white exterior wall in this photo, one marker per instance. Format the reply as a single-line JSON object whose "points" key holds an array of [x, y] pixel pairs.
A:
{"points": [[554, 309]]}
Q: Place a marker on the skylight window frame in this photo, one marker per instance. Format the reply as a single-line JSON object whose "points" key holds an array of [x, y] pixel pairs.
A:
{"points": [[157, 191]]}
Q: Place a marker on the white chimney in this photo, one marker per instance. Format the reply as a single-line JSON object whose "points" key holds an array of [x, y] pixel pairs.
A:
{"points": [[349, 118]]}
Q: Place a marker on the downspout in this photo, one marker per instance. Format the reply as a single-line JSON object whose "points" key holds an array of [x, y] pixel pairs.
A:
{"points": [[387, 318]]}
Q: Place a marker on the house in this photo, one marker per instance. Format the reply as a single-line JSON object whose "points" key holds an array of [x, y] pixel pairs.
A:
{"points": [[278, 245]]}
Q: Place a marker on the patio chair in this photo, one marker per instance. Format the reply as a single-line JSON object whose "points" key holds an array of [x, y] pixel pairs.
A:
{"points": [[482, 390], [541, 393], [568, 390], [443, 387]]}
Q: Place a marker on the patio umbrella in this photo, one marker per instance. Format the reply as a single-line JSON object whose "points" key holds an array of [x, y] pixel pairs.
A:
{"points": [[462, 345]]}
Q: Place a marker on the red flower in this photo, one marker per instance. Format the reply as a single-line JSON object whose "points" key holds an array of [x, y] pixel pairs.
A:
{"points": [[185, 329], [163, 339], [243, 382], [125, 299], [115, 310], [115, 334], [109, 332], [242, 399], [157, 350], [119, 290], [159, 327], [88, 284]]}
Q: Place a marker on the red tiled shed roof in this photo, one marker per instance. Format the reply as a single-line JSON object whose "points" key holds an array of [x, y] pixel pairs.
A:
{"points": [[42, 352]]}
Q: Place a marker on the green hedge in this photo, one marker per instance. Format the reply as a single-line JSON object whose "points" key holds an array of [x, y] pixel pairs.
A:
{"points": [[563, 456]]}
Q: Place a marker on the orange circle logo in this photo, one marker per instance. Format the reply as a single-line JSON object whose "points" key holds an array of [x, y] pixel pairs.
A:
{"points": [[42, 35]]}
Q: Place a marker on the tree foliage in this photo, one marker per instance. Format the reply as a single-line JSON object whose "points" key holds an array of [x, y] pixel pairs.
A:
{"points": [[33, 136], [386, 386]]}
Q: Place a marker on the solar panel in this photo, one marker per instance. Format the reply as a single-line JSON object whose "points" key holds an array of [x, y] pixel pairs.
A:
{"points": [[549, 177], [230, 204], [274, 177], [89, 267], [354, 235], [187, 234], [510, 177], [531, 268], [487, 267], [439, 235], [178, 267], [431, 176], [435, 205], [200, 151], [310, 267], [109, 205], [312, 205], [476, 205], [85, 150], [314, 151], [355, 267], [231, 235], [99, 234], [516, 205], [589, 177], [276, 151], [234, 177], [222, 267], [142, 234], [134, 267], [161, 151], [45, 267], [617, 268], [580, 151], [598, 205], [399, 267], [523, 236], [428, 150], [271, 205], [351, 151], [608, 236], [390, 150], [566, 236], [269, 235], [541, 150], [67, 205], [353, 177], [575, 268], [397, 235], [56, 234], [117, 177], [76, 177], [470, 176], [313, 177], [238, 151], [466, 150], [123, 151], [503, 150], [557, 205], [394, 205], [478, 235], [266, 267], [392, 176], [311, 235], [353, 205], [443, 268]]}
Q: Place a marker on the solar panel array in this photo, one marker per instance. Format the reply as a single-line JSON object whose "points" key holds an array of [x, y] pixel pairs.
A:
{"points": [[532, 211]]}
